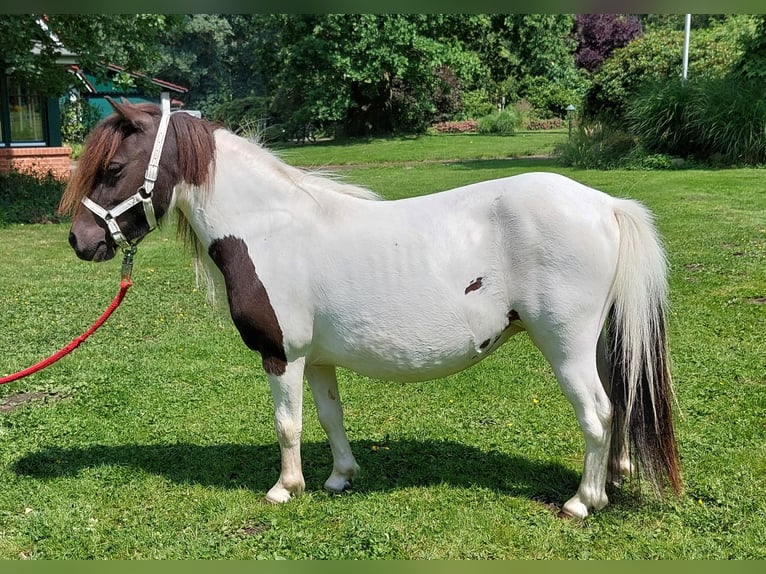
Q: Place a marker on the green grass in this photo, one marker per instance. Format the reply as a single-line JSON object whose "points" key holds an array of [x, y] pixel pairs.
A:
{"points": [[438, 148], [155, 438]]}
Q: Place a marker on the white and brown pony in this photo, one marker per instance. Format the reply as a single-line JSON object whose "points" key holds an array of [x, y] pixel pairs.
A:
{"points": [[321, 274]]}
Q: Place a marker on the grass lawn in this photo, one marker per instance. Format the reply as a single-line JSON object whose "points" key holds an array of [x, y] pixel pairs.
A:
{"points": [[155, 439], [421, 148]]}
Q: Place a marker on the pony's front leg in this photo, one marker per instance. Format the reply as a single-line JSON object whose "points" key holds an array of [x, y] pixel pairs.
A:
{"points": [[324, 387], [287, 392]]}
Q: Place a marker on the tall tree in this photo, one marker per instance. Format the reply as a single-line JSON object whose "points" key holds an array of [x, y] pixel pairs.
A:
{"points": [[199, 54], [367, 72], [31, 44], [378, 72]]}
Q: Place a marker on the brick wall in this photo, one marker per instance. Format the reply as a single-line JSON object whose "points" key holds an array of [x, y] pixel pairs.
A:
{"points": [[39, 160]]}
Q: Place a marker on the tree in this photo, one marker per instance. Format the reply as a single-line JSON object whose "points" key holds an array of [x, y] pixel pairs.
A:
{"points": [[31, 45], [751, 64], [598, 35], [199, 54], [657, 55], [382, 72], [367, 72]]}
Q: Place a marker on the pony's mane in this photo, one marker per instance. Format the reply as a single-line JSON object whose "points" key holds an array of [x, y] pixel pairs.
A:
{"points": [[196, 159]]}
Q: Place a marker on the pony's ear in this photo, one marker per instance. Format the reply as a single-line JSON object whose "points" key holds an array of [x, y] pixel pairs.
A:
{"points": [[131, 114]]}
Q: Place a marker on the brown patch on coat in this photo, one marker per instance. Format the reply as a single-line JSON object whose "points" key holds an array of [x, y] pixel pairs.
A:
{"points": [[475, 284], [249, 303]]}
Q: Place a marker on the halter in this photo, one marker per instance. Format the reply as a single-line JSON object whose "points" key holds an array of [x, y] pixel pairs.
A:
{"points": [[144, 193]]}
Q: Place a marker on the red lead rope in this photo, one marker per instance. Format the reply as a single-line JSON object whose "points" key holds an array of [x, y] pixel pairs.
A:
{"points": [[125, 284]]}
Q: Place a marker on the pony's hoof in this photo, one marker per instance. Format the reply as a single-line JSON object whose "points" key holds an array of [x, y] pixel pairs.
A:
{"points": [[564, 515], [280, 495], [338, 488]]}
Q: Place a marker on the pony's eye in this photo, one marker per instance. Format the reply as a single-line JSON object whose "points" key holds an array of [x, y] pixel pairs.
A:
{"points": [[114, 169]]}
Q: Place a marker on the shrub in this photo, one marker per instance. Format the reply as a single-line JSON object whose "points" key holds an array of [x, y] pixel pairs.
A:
{"points": [[658, 115], [546, 124], [475, 104], [462, 127], [241, 114], [502, 123], [657, 56], [709, 119], [596, 146], [550, 98], [29, 198], [78, 118]]}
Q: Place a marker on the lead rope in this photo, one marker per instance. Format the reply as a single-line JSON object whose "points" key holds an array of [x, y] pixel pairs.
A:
{"points": [[125, 284]]}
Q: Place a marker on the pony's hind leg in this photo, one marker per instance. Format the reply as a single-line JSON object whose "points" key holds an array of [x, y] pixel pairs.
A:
{"points": [[287, 392], [593, 411], [574, 364], [324, 387], [623, 467]]}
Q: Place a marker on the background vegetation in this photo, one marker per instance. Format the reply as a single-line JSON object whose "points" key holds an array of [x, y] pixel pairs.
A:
{"points": [[304, 77]]}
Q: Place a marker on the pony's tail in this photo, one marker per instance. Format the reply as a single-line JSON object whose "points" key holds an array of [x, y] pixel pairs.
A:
{"points": [[641, 390]]}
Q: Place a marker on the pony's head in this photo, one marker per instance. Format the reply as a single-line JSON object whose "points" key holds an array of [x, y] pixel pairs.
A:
{"points": [[111, 170]]}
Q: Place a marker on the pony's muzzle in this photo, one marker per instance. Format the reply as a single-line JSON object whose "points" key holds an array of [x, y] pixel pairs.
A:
{"points": [[99, 250]]}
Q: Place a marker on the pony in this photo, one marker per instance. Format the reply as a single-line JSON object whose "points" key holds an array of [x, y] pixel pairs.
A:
{"points": [[319, 273]]}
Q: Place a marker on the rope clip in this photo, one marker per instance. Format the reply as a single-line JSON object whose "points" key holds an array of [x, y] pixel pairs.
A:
{"points": [[127, 262]]}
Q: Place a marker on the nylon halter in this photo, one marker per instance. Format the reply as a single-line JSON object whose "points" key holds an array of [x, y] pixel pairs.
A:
{"points": [[144, 193]]}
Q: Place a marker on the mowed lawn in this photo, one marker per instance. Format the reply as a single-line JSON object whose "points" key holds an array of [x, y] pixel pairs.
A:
{"points": [[155, 439]]}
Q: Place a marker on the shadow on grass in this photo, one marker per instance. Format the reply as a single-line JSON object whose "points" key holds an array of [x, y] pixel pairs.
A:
{"points": [[514, 163], [397, 464]]}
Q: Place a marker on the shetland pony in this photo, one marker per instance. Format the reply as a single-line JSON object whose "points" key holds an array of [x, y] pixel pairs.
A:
{"points": [[320, 274]]}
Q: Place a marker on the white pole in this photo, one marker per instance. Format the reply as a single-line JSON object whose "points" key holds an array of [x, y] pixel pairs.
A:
{"points": [[687, 33]]}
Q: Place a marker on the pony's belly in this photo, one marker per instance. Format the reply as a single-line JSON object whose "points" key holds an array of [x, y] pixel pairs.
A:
{"points": [[405, 369], [417, 359]]}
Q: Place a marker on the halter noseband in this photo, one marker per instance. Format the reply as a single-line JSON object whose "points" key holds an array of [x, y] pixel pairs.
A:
{"points": [[144, 193]]}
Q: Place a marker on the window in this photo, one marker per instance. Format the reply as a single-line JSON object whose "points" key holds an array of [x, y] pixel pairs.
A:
{"points": [[26, 115]]}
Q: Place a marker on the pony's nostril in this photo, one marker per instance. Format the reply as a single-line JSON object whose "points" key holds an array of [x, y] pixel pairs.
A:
{"points": [[73, 240]]}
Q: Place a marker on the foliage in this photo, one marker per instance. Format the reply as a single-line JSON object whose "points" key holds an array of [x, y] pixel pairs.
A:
{"points": [[78, 118], [368, 73], [550, 99], [676, 22], [29, 198], [658, 115], [595, 145], [31, 45], [751, 65], [544, 124], [658, 55], [377, 73], [722, 120], [209, 54], [598, 35], [461, 127], [242, 112], [503, 123], [475, 104]]}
